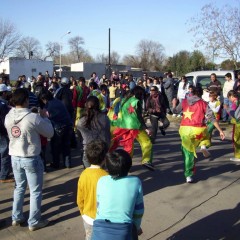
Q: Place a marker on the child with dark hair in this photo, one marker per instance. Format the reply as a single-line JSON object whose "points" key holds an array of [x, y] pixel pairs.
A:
{"points": [[87, 184], [215, 106], [93, 125], [120, 204]]}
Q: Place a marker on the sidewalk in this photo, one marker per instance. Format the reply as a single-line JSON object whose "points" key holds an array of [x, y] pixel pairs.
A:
{"points": [[174, 209]]}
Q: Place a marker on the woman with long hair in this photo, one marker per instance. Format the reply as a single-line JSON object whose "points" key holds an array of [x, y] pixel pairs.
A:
{"points": [[93, 125]]}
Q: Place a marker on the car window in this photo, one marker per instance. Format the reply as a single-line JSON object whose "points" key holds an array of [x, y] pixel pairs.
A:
{"points": [[221, 79], [190, 79], [205, 80]]}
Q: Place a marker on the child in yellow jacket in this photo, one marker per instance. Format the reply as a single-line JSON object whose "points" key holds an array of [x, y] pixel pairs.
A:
{"points": [[87, 184]]}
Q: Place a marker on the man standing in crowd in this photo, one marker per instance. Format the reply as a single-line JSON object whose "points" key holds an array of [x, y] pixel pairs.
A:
{"points": [[214, 85], [228, 85], [237, 82], [5, 159], [169, 90], [62, 122], [24, 129], [65, 95], [156, 107]]}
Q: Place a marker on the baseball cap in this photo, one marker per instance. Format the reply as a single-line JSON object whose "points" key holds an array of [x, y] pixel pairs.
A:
{"points": [[3, 88]]}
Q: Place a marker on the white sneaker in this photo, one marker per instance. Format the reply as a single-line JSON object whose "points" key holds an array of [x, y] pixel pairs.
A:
{"points": [[16, 223], [39, 225], [189, 179], [235, 159], [179, 115], [205, 152], [174, 115]]}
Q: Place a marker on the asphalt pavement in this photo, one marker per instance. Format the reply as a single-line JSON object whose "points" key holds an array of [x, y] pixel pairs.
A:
{"points": [[174, 209]]}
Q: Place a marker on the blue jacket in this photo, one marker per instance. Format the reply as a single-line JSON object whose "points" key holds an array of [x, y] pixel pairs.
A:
{"points": [[58, 113]]}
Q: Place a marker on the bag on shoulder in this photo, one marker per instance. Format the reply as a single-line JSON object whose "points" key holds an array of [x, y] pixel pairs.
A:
{"points": [[59, 129]]}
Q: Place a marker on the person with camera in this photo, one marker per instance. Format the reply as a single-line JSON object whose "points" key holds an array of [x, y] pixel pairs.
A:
{"points": [[24, 129]]}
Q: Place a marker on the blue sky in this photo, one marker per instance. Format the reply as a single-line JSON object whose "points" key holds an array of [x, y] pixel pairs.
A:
{"points": [[130, 21]]}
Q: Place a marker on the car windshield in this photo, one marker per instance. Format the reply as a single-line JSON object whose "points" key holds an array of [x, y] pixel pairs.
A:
{"points": [[205, 80], [190, 79]]}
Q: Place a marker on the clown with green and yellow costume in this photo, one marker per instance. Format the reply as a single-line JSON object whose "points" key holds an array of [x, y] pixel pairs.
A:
{"points": [[130, 125], [235, 120], [193, 130]]}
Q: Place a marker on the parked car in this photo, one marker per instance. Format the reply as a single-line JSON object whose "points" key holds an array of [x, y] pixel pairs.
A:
{"points": [[202, 78]]}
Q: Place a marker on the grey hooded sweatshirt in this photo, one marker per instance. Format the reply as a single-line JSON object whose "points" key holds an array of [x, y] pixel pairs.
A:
{"points": [[24, 129]]}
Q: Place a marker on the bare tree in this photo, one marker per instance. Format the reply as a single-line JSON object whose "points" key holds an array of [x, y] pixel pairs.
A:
{"points": [[218, 30], [75, 46], [9, 38], [131, 60], [52, 50], [104, 58], [27, 45], [68, 58], [150, 54]]}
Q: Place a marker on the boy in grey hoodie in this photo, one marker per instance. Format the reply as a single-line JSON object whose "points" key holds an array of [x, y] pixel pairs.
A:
{"points": [[24, 129]]}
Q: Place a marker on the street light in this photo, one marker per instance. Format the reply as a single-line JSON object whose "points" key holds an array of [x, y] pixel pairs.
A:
{"points": [[60, 53]]}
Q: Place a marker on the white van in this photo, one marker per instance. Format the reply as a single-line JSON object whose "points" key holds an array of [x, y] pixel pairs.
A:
{"points": [[202, 78]]}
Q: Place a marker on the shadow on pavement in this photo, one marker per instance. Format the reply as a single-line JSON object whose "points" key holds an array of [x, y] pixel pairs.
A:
{"points": [[64, 195], [220, 225], [169, 170]]}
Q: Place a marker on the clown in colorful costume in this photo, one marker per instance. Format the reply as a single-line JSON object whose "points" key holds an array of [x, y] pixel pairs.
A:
{"points": [[235, 120], [193, 130], [94, 91], [130, 125]]}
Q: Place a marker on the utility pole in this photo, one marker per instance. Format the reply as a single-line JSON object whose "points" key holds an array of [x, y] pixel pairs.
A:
{"points": [[109, 47], [109, 54]]}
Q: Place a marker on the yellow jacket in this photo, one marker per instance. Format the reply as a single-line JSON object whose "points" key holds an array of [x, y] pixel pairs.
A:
{"points": [[87, 188]]}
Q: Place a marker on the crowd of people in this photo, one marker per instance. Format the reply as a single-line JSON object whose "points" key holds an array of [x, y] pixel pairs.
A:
{"points": [[102, 118]]}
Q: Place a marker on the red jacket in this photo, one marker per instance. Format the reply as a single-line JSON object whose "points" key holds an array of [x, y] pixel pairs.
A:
{"points": [[194, 115], [80, 102]]}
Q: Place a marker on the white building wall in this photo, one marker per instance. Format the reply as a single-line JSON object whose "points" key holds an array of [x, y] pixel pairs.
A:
{"points": [[77, 67], [89, 68], [29, 67]]}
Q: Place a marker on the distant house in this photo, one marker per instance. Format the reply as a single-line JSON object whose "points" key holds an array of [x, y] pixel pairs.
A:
{"points": [[15, 67]]}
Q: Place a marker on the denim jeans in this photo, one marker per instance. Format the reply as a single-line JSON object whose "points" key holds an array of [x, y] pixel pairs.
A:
{"points": [[27, 171], [5, 159], [225, 115]]}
